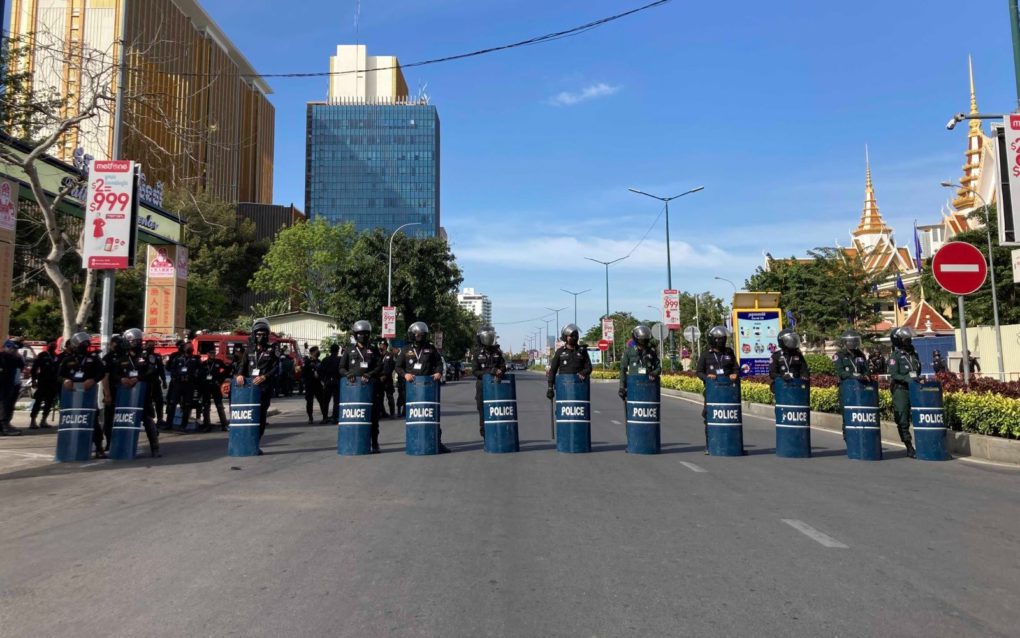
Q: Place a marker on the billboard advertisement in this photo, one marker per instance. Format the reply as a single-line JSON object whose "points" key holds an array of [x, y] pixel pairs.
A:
{"points": [[607, 330], [110, 216], [754, 339], [671, 309], [389, 322]]}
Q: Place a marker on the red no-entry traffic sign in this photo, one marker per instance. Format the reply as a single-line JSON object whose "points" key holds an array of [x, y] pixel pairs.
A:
{"points": [[603, 345], [960, 268]]}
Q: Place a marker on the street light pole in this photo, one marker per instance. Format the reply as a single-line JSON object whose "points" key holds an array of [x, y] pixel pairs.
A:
{"points": [[991, 271], [669, 263], [607, 264], [557, 311], [570, 292], [389, 279]]}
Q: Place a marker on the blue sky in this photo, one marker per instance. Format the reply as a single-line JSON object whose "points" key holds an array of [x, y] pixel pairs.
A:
{"points": [[768, 105]]}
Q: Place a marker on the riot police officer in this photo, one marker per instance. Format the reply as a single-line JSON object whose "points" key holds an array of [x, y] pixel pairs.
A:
{"points": [[131, 367], [486, 359], [78, 365], [421, 358], [571, 358], [311, 381], [212, 374], [155, 361], [363, 360], [330, 373], [44, 378], [851, 363], [110, 359], [938, 365], [788, 362], [261, 363], [876, 362], [172, 399], [904, 367], [718, 361], [641, 359], [388, 366]]}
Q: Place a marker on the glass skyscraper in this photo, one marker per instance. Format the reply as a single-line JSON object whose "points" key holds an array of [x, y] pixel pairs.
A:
{"points": [[376, 165]]}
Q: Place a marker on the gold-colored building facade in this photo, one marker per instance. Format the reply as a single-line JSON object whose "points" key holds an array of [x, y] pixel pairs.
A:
{"points": [[194, 114]]}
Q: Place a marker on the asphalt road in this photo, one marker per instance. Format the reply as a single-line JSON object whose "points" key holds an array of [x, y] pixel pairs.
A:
{"points": [[301, 542]]}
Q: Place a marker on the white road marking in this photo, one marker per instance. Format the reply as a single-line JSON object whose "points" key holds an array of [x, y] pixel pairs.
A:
{"points": [[822, 539], [958, 267], [692, 467], [598, 411], [615, 422]]}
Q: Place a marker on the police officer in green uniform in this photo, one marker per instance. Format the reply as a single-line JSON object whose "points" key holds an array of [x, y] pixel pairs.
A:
{"points": [[904, 367], [851, 363], [788, 362], [640, 359]]}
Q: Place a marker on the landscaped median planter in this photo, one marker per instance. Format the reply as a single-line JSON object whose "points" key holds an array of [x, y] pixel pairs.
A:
{"points": [[982, 424]]}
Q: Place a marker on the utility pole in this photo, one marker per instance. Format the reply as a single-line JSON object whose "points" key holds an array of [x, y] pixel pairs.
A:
{"points": [[607, 264], [1014, 27], [558, 326], [570, 292]]}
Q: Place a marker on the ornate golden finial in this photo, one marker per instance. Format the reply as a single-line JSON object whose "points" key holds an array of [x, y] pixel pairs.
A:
{"points": [[965, 199], [973, 93], [871, 219], [867, 167]]}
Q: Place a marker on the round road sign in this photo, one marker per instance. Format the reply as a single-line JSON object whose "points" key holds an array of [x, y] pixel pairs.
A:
{"points": [[603, 345], [960, 268]]}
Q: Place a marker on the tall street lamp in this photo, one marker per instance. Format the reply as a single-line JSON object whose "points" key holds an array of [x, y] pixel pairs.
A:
{"points": [[389, 279], [669, 262], [557, 311], [991, 270], [729, 282], [607, 264], [571, 292]]}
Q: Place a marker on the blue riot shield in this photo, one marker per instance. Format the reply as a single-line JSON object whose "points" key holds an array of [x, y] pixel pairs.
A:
{"points": [[724, 417], [245, 415], [861, 424], [499, 413], [127, 421], [793, 418], [77, 422], [422, 416], [644, 404], [928, 418], [573, 414], [354, 433]]}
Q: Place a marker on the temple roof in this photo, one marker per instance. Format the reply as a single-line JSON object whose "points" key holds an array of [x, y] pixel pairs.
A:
{"points": [[921, 314], [976, 140], [871, 219]]}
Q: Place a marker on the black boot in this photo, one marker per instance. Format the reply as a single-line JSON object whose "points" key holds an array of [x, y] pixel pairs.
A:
{"points": [[33, 425], [154, 451], [910, 450], [100, 454]]}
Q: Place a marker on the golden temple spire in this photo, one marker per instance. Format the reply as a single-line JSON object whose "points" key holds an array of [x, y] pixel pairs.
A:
{"points": [[871, 219], [965, 199]]}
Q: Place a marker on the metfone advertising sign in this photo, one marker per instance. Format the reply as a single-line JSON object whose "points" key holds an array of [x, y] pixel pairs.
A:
{"points": [[389, 322], [110, 216], [607, 330], [671, 309]]}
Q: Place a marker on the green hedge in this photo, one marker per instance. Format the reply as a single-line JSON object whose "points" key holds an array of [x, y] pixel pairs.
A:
{"points": [[820, 364], [983, 413]]}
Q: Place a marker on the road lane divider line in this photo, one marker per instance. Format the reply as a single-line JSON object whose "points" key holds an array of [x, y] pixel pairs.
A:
{"points": [[822, 539], [692, 467], [615, 422]]}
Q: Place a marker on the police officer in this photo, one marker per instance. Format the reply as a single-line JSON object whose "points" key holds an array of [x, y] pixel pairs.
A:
{"points": [[261, 363], [401, 385], [972, 362], [155, 361], [44, 378], [788, 362], [115, 351], [876, 362], [486, 359], [11, 365], [851, 363], [641, 359], [904, 367], [212, 374], [388, 366], [421, 358], [172, 400], [130, 367], [937, 364], [286, 372], [571, 358], [184, 376], [718, 361], [311, 381], [78, 365], [330, 373], [363, 360]]}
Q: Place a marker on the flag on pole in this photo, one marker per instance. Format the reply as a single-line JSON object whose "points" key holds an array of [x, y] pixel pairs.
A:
{"points": [[901, 293], [917, 248], [790, 319]]}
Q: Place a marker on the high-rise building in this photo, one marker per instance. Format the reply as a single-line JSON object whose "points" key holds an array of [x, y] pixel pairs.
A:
{"points": [[477, 303], [372, 153], [195, 112]]}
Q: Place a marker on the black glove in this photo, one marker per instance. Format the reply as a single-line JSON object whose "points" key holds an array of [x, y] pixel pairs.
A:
{"points": [[623, 393], [351, 378], [549, 394]]}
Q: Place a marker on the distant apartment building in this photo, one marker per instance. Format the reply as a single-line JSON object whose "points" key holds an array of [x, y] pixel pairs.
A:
{"points": [[477, 303], [196, 113], [372, 152]]}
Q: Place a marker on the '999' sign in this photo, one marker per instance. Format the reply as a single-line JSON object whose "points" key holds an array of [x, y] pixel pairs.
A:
{"points": [[109, 220]]}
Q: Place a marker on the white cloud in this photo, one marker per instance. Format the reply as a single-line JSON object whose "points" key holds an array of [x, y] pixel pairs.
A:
{"points": [[590, 92]]}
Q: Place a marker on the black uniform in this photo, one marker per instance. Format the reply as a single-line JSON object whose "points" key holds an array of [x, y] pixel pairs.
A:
{"points": [[44, 377], [974, 365], [172, 398], [260, 362], [135, 365], [876, 363], [78, 368], [366, 362], [419, 359], [155, 361], [485, 360], [568, 361], [185, 371], [311, 380], [388, 366], [329, 370], [851, 364], [719, 362], [212, 374], [11, 365], [788, 362], [109, 393]]}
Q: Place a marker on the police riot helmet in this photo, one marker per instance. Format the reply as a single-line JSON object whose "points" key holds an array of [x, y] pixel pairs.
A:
{"points": [[570, 334], [902, 337], [717, 337], [382, 342], [642, 334], [133, 338], [116, 343], [79, 342], [789, 340], [418, 332], [362, 330], [180, 345], [486, 336], [850, 340], [260, 331]]}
